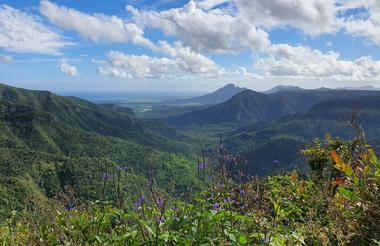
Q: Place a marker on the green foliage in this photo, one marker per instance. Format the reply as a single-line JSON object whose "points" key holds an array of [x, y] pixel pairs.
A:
{"points": [[58, 143], [62, 182], [340, 209]]}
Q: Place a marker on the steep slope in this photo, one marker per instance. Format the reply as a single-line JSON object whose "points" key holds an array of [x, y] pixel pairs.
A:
{"points": [[50, 143], [252, 107], [221, 95], [264, 142], [109, 120], [247, 106]]}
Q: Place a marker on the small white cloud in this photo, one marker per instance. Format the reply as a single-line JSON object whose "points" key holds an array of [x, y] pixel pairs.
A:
{"points": [[67, 69], [99, 62], [25, 33], [6, 59], [329, 44], [242, 72]]}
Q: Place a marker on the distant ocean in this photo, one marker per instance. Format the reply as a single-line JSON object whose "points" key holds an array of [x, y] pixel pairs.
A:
{"points": [[125, 96]]}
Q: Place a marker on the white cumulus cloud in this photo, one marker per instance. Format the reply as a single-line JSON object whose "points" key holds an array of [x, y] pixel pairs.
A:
{"points": [[132, 66], [67, 69], [203, 31], [303, 62], [189, 60], [97, 27], [179, 61], [25, 33], [369, 25], [313, 17]]}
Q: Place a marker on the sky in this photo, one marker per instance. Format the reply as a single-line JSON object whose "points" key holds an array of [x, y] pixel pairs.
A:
{"points": [[171, 45]]}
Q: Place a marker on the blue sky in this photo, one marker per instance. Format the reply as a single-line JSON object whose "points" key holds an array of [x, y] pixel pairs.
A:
{"points": [[141, 45]]}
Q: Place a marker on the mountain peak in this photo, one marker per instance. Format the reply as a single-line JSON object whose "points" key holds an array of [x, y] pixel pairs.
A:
{"points": [[280, 88], [220, 95], [230, 85]]}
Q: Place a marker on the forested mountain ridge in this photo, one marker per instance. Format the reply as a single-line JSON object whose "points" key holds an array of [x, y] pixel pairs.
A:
{"points": [[252, 107], [78, 172], [108, 120], [280, 88], [49, 143], [281, 140], [219, 96]]}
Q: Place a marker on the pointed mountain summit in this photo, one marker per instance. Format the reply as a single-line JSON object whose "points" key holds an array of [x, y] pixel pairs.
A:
{"points": [[221, 95], [250, 107]]}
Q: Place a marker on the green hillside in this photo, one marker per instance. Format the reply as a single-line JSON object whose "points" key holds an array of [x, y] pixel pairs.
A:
{"points": [[50, 143], [250, 107], [108, 120], [263, 143]]}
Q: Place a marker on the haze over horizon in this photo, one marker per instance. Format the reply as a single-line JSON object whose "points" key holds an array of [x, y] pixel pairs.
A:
{"points": [[189, 46]]}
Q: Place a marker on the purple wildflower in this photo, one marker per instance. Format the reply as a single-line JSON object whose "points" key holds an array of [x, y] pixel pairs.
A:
{"points": [[203, 166], [265, 239], [242, 191], [161, 220], [227, 200], [216, 206], [140, 201], [276, 162], [62, 238], [160, 202]]}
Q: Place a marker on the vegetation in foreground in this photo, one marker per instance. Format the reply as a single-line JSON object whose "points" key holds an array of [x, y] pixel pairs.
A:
{"points": [[337, 204]]}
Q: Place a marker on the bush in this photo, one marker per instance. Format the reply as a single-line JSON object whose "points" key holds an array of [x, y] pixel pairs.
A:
{"points": [[337, 205]]}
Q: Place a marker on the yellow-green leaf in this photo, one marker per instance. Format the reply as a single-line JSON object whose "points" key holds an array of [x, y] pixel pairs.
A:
{"points": [[348, 170], [242, 239], [366, 170], [356, 180]]}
